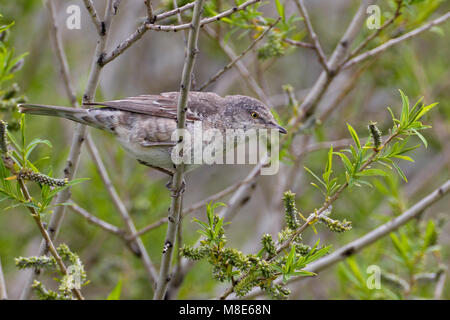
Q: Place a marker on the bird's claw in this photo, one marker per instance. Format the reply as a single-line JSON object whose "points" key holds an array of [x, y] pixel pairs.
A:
{"points": [[176, 193]]}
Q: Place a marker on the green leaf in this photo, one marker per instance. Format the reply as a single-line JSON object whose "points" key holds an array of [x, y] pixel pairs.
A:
{"points": [[404, 158], [115, 293], [405, 109], [399, 170], [372, 172], [421, 137], [424, 110], [315, 176], [280, 9], [354, 136]]}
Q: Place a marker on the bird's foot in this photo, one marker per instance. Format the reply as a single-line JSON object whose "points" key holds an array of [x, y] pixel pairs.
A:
{"points": [[176, 193]]}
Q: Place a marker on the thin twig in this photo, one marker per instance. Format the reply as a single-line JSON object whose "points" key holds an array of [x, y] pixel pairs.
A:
{"points": [[3, 292], [375, 34], [94, 16], [48, 241], [311, 101], [392, 42], [150, 14], [240, 66], [299, 43], [96, 221], [175, 207], [317, 213], [317, 47], [139, 249], [440, 284], [55, 36], [75, 148], [243, 53], [141, 30], [159, 27], [371, 237]]}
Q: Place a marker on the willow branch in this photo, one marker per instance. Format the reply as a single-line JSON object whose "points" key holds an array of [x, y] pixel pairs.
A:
{"points": [[150, 14], [240, 66], [234, 61], [96, 221], [77, 141], [366, 41], [159, 27], [357, 245], [392, 42], [139, 247], [175, 207], [90, 7], [321, 85], [3, 292], [317, 47], [140, 31], [299, 43]]}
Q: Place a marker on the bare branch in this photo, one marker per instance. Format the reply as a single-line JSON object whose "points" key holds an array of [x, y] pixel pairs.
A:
{"points": [[299, 43], [138, 247], [175, 207], [243, 53], [55, 36], [245, 73], [320, 86], [48, 241], [96, 221], [366, 41], [374, 235], [392, 42], [145, 26], [94, 16], [150, 14], [158, 27], [320, 54], [3, 292], [75, 149]]}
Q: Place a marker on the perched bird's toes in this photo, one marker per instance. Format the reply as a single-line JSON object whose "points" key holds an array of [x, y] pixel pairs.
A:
{"points": [[176, 193]]}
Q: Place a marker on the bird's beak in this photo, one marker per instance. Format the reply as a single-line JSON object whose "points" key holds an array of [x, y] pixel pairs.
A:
{"points": [[280, 128]]}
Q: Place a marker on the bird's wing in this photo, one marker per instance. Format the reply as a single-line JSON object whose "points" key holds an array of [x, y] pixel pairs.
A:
{"points": [[163, 105]]}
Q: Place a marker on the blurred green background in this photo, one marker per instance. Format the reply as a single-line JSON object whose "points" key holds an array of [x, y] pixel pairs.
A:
{"points": [[419, 67]]}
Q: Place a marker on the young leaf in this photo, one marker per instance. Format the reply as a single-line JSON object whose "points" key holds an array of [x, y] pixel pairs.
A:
{"points": [[354, 136]]}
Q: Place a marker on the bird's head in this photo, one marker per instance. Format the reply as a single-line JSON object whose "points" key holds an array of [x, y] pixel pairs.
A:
{"points": [[249, 113]]}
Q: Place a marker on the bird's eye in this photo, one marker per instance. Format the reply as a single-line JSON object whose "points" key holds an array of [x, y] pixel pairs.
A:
{"points": [[254, 115]]}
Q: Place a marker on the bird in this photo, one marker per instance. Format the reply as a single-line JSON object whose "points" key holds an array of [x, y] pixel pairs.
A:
{"points": [[144, 124]]}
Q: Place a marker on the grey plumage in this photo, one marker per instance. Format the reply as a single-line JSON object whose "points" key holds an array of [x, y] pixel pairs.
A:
{"points": [[144, 124]]}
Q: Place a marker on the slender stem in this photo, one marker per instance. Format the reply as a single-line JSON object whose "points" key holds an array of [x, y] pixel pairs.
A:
{"points": [[317, 47], [311, 101], [363, 44], [55, 36], [150, 14], [96, 221], [175, 208], [93, 14], [234, 61], [371, 237], [49, 243], [141, 30], [138, 246], [299, 43], [159, 27], [3, 292], [392, 42], [316, 214], [240, 66], [77, 141]]}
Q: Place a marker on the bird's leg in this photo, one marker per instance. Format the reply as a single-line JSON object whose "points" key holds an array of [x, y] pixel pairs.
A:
{"points": [[175, 193]]}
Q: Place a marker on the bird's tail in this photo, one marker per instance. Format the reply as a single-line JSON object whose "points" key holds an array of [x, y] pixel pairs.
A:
{"points": [[90, 117]]}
